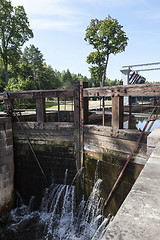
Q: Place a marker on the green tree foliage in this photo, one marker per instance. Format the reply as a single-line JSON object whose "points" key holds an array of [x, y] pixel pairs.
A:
{"points": [[107, 37], [33, 59], [32, 72], [14, 32], [2, 76], [68, 78]]}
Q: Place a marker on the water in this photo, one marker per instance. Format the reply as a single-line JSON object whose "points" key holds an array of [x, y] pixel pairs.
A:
{"points": [[58, 218], [140, 125]]}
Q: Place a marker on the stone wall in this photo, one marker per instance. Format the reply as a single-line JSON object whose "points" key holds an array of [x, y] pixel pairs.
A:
{"points": [[6, 166], [152, 140]]}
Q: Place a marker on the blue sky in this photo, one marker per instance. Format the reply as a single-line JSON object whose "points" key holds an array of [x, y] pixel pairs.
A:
{"points": [[59, 30]]}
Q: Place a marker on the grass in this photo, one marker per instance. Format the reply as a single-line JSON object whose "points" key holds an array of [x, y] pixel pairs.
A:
{"points": [[70, 105], [96, 104], [64, 106]]}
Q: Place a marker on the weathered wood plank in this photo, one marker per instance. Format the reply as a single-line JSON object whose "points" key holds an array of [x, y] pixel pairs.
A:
{"points": [[40, 110], [117, 112], [126, 134], [43, 138], [46, 125], [77, 140], [115, 144], [85, 105], [129, 90], [9, 105], [130, 113], [39, 93]]}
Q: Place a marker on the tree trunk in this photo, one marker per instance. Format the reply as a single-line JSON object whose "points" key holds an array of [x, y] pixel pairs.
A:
{"points": [[104, 73], [6, 72], [100, 74]]}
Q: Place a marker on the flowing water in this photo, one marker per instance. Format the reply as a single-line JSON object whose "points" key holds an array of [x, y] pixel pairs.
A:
{"points": [[58, 218]]}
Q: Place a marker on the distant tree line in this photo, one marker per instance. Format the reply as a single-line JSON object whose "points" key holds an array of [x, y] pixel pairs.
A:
{"points": [[31, 73]]}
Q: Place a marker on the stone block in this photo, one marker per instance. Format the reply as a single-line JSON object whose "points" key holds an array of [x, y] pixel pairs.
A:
{"points": [[153, 138], [149, 151], [6, 166]]}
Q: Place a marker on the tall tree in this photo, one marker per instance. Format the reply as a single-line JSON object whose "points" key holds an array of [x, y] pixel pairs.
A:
{"points": [[14, 32], [33, 57], [107, 37], [67, 80]]}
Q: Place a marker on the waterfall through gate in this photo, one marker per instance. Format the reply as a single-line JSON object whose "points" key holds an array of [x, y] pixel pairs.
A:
{"points": [[58, 217]]}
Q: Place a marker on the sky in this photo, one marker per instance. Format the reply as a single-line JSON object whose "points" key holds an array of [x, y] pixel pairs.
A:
{"points": [[59, 30]]}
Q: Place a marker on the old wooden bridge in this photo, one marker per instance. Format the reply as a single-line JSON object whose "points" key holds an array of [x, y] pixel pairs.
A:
{"points": [[80, 95]]}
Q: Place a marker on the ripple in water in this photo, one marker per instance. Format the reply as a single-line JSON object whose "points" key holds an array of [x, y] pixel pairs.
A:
{"points": [[58, 217]]}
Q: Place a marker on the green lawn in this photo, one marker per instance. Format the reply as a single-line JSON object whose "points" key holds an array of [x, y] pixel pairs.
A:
{"points": [[69, 105]]}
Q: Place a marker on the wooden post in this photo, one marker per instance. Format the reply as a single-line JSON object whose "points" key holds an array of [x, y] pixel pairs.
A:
{"points": [[142, 105], [72, 103], [65, 103], [130, 113], [9, 105], [85, 104], [77, 124], [40, 109], [103, 118], [83, 118], [117, 112], [58, 110], [100, 103], [80, 117]]}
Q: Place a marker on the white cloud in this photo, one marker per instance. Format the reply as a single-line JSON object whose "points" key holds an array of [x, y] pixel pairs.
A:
{"points": [[51, 14], [46, 7], [48, 24], [64, 14]]}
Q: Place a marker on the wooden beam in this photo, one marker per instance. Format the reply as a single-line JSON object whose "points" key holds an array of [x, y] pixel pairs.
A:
{"points": [[117, 112], [39, 93], [127, 90], [40, 110], [9, 105], [85, 104], [130, 113], [58, 109], [77, 124], [103, 108], [80, 117]]}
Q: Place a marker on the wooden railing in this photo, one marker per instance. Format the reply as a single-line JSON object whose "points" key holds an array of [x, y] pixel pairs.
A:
{"points": [[117, 93], [39, 96], [81, 94]]}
